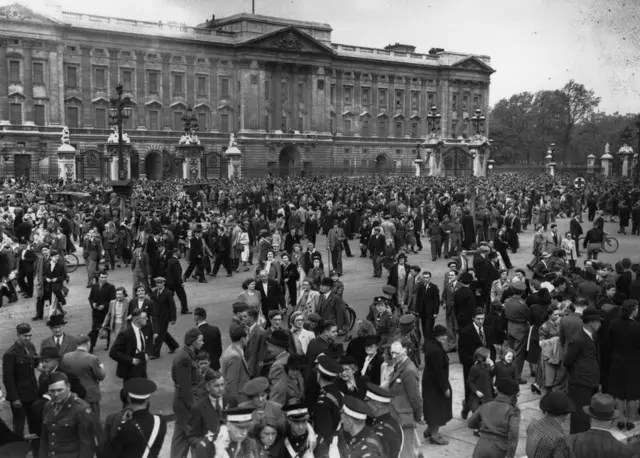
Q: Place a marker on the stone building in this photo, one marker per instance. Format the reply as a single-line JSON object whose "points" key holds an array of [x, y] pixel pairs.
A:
{"points": [[296, 102]]}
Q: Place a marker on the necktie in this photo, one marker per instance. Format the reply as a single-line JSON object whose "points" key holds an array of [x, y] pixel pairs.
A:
{"points": [[58, 343], [481, 332]]}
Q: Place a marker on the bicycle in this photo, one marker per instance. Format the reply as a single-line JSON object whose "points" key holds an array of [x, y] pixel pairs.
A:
{"points": [[72, 262], [609, 244]]}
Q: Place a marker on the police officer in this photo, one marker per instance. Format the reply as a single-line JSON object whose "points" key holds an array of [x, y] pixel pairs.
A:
{"points": [[300, 440], [325, 415], [386, 427], [186, 376], [359, 440], [68, 427], [232, 437], [139, 433]]}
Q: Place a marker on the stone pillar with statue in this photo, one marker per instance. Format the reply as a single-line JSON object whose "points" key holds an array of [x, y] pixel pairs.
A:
{"points": [[591, 163], [112, 153], [66, 158], [233, 156], [189, 149], [606, 161]]}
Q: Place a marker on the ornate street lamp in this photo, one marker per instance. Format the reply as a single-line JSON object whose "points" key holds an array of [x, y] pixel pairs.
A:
{"points": [[120, 110], [433, 119], [189, 148], [477, 121]]}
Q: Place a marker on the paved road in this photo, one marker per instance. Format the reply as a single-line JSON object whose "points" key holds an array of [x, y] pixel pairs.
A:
{"points": [[217, 297]]}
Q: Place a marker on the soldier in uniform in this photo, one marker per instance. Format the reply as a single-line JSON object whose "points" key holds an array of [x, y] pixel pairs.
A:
{"points": [[300, 440], [325, 415], [359, 440], [186, 376], [232, 437], [386, 427], [69, 426], [139, 433]]}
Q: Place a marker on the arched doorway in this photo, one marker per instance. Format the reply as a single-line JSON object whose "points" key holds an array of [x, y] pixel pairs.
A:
{"points": [[153, 166], [287, 161], [457, 162], [382, 164]]}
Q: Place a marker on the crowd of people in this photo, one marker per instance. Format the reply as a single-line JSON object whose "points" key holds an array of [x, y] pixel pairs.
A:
{"points": [[303, 375]]}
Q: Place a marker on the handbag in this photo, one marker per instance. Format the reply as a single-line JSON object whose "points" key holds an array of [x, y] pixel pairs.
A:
{"points": [[238, 247]]}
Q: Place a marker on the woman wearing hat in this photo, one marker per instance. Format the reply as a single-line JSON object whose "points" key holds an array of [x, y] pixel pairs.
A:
{"points": [[436, 389]]}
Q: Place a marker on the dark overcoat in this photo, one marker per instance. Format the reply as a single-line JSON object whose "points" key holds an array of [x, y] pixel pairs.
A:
{"points": [[438, 409]]}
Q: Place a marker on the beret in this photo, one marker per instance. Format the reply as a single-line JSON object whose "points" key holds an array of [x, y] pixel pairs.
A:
{"points": [[314, 317], [256, 386], [191, 336], [388, 289]]}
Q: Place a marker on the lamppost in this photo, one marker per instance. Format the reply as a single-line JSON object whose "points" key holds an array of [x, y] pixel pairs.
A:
{"points": [[119, 111], [638, 161], [477, 121], [189, 148], [433, 120], [433, 142], [551, 151]]}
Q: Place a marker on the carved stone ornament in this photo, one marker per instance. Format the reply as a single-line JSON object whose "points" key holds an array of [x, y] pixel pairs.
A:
{"points": [[14, 12], [438, 156], [290, 42], [68, 171]]}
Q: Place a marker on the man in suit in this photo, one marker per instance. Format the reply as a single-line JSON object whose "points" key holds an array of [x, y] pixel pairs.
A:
{"points": [[538, 246], [270, 293], [26, 269], [54, 274], [196, 256], [233, 365], [553, 241], [19, 378], [472, 337], [42, 259], [146, 305], [60, 340], [601, 441], [576, 231], [335, 237], [140, 268], [256, 349], [427, 305], [92, 253], [50, 363], [211, 335], [129, 349], [173, 275], [582, 360], [414, 283], [451, 286], [330, 306], [100, 296], [519, 319], [464, 301], [308, 298], [208, 413], [279, 344], [166, 315], [377, 243], [88, 369]]}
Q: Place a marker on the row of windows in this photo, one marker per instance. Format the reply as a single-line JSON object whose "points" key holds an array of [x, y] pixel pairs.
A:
{"points": [[178, 80], [398, 127]]}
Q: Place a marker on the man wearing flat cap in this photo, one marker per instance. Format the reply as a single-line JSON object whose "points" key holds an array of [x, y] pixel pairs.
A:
{"points": [[185, 376], [140, 433], [68, 425], [358, 440], [499, 423], [545, 435], [582, 360]]}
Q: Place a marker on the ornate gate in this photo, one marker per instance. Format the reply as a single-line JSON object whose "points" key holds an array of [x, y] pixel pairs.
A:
{"points": [[457, 162]]}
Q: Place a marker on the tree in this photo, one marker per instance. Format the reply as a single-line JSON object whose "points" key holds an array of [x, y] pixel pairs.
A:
{"points": [[579, 104]]}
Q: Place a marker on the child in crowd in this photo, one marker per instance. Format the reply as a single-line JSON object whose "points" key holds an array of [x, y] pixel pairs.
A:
{"points": [[479, 380], [505, 369]]}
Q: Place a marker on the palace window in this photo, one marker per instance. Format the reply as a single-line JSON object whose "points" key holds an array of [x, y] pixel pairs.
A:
{"points": [[284, 90], [72, 76], [38, 73], [347, 94], [72, 117], [202, 121], [476, 102], [127, 80], [300, 124], [399, 129], [14, 71], [465, 102], [454, 102], [414, 130], [399, 97], [154, 82], [202, 85], [382, 128], [15, 115], [100, 81], [333, 95], [178, 85], [347, 127], [321, 85], [38, 115], [454, 127], [431, 100], [415, 100], [154, 120], [283, 125], [224, 87], [101, 118], [224, 123], [177, 120], [382, 98], [364, 128], [366, 96]]}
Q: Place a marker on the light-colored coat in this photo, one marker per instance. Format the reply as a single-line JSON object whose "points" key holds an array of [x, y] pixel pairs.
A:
{"points": [[235, 371], [310, 305], [88, 369], [278, 379], [110, 319], [69, 344]]}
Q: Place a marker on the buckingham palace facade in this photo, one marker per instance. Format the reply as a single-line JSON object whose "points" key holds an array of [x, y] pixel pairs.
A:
{"points": [[296, 102]]}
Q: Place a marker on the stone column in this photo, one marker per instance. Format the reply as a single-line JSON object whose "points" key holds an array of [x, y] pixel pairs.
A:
{"points": [[114, 168], [606, 167], [444, 95], [4, 82], [339, 106], [276, 123], [166, 90], [591, 163], [625, 165], [28, 82], [185, 169], [140, 91], [250, 94], [85, 87]]}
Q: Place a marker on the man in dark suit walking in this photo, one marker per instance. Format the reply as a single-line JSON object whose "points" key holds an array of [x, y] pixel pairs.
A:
{"points": [[19, 378], [330, 306], [54, 274], [26, 269], [464, 301], [472, 337], [166, 315], [150, 330], [270, 293], [196, 259], [582, 360], [576, 231], [173, 275], [129, 349], [212, 338], [427, 305], [99, 297], [376, 248], [223, 252]]}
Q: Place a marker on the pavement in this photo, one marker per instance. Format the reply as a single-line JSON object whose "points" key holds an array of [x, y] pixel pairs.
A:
{"points": [[219, 293]]}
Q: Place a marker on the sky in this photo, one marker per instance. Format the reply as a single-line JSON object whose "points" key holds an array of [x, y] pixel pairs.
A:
{"points": [[533, 44]]}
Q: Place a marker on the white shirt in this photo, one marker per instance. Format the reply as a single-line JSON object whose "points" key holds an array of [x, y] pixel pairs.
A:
{"points": [[326, 295], [367, 361], [590, 334], [265, 287], [58, 340], [216, 403], [478, 331], [139, 338]]}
